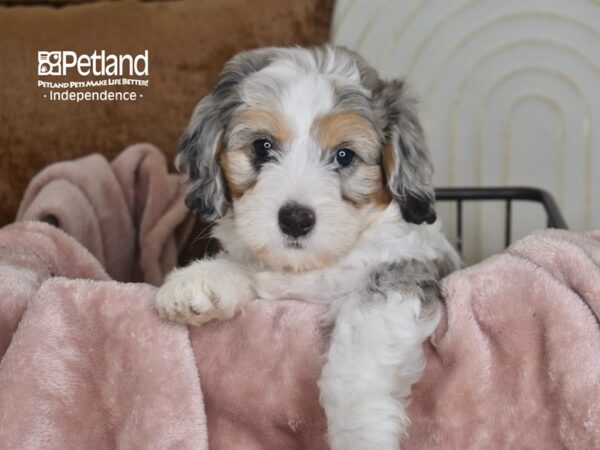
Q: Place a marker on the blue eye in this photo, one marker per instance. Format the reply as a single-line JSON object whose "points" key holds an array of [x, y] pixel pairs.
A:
{"points": [[344, 157]]}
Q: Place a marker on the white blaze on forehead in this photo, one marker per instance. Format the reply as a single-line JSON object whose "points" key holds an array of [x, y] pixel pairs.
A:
{"points": [[306, 98], [300, 95]]}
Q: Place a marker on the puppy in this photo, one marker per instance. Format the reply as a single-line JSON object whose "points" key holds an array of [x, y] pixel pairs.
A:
{"points": [[317, 176]]}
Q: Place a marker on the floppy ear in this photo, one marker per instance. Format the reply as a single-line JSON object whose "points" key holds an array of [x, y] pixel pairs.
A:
{"points": [[197, 155], [406, 161], [199, 147]]}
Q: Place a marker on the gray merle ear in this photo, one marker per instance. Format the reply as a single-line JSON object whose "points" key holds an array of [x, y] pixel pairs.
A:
{"points": [[197, 155], [199, 147], [406, 161]]}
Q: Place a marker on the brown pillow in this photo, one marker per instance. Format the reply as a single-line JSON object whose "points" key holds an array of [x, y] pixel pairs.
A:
{"points": [[62, 2], [188, 42]]}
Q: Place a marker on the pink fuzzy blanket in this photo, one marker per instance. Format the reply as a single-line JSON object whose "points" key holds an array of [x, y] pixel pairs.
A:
{"points": [[86, 362]]}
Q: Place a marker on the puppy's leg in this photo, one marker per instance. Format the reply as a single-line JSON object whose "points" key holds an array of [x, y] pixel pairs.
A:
{"points": [[205, 290], [376, 355]]}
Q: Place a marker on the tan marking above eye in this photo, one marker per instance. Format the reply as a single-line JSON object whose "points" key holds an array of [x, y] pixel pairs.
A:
{"points": [[265, 120], [333, 129]]}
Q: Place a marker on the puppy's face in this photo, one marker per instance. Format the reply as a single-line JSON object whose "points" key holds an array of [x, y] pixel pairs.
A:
{"points": [[301, 147]]}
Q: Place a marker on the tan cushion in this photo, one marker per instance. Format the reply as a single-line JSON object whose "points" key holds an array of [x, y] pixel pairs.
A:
{"points": [[188, 43]]}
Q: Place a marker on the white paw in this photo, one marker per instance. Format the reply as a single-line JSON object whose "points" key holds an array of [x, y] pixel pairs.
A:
{"points": [[204, 291]]}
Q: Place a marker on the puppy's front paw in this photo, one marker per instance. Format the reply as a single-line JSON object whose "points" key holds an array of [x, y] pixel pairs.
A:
{"points": [[204, 291]]}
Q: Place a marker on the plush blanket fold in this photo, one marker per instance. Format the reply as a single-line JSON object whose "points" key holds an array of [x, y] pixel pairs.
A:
{"points": [[86, 363], [129, 213]]}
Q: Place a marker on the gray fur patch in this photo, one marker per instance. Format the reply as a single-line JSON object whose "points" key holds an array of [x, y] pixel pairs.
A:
{"points": [[411, 277]]}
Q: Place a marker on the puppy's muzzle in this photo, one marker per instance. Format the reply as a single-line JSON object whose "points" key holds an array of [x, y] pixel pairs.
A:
{"points": [[296, 220]]}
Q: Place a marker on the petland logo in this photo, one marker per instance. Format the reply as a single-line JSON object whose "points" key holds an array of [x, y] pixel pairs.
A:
{"points": [[107, 77], [60, 63]]}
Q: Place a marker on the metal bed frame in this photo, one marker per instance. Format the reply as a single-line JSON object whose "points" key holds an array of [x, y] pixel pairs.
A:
{"points": [[508, 195]]}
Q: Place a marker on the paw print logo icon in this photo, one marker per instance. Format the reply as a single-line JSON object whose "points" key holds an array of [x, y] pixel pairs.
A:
{"points": [[49, 63]]}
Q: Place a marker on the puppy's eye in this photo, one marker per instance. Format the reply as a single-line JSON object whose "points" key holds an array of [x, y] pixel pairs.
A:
{"points": [[262, 149], [344, 157]]}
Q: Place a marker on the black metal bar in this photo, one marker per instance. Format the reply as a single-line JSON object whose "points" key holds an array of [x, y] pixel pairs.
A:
{"points": [[507, 225], [555, 217], [459, 242]]}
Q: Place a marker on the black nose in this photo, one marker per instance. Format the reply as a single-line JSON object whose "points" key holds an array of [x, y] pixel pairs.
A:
{"points": [[296, 220]]}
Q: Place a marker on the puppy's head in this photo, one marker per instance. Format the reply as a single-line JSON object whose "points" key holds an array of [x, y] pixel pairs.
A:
{"points": [[301, 147]]}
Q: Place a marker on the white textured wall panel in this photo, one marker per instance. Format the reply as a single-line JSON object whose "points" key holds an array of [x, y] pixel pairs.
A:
{"points": [[510, 95]]}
